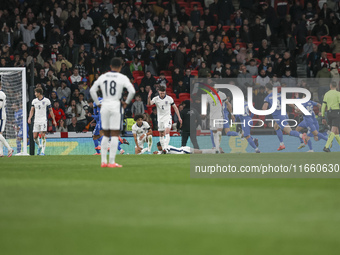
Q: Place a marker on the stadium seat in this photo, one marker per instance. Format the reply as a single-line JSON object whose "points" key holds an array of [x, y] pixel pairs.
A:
{"points": [[226, 28], [238, 28], [167, 72], [337, 57], [194, 72], [183, 4], [139, 80], [184, 96], [315, 38], [137, 74], [195, 3], [213, 28], [149, 108], [169, 78], [228, 45], [187, 51], [242, 45]]}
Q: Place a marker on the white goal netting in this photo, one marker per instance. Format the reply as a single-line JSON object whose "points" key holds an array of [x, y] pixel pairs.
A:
{"points": [[13, 82]]}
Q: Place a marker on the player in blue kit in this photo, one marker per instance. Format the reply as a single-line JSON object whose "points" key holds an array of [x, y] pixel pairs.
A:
{"points": [[246, 122], [279, 125], [311, 123], [98, 131]]}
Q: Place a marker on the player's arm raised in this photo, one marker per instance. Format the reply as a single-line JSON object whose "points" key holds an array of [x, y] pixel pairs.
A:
{"points": [[150, 102], [52, 115], [177, 112], [31, 115]]}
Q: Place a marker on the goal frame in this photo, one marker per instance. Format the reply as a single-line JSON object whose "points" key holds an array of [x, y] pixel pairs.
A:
{"points": [[24, 103]]}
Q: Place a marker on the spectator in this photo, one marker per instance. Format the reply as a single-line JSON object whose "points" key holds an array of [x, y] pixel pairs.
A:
{"points": [[252, 68], [224, 9], [336, 44], [75, 78], [259, 98], [136, 65], [324, 46], [28, 32], [323, 61], [58, 113], [195, 16], [262, 79], [64, 91], [153, 117], [324, 79], [288, 79], [137, 106], [131, 33], [61, 60], [61, 126], [244, 78], [75, 126], [312, 61], [86, 22], [148, 80], [258, 33], [204, 71]]}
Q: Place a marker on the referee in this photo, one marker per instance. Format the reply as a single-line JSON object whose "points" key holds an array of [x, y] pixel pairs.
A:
{"points": [[331, 100]]}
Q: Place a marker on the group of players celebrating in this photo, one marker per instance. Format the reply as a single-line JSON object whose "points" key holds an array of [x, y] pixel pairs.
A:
{"points": [[109, 113]]}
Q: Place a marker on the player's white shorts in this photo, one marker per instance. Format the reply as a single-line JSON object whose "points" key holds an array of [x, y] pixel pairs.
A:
{"points": [[2, 125], [164, 123], [39, 127], [216, 123], [141, 142], [112, 118]]}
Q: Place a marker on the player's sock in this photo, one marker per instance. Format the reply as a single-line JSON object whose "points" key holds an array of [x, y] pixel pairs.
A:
{"points": [[18, 146], [113, 149], [161, 140], [251, 142], [295, 133], [212, 138], [3, 140], [330, 139], [104, 147], [217, 139], [321, 136], [208, 151], [279, 135], [119, 143], [149, 142], [1, 148], [310, 144], [232, 133], [43, 139], [96, 144], [337, 137], [144, 150], [37, 141], [301, 141], [167, 141]]}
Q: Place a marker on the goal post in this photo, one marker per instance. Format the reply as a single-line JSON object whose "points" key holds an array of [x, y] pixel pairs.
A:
{"points": [[13, 80]]}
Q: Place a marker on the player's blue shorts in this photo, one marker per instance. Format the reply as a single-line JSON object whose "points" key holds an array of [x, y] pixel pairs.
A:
{"points": [[246, 128], [280, 120], [20, 133], [96, 129], [226, 117], [310, 125]]}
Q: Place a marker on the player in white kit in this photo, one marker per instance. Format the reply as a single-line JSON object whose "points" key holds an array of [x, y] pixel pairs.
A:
{"points": [[182, 150], [216, 113], [3, 124], [112, 108], [142, 133], [39, 106], [163, 103]]}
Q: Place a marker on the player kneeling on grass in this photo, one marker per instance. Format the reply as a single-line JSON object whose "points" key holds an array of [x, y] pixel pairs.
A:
{"points": [[182, 150], [142, 133], [39, 106]]}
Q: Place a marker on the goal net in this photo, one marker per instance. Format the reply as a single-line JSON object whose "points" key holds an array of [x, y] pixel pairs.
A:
{"points": [[13, 82]]}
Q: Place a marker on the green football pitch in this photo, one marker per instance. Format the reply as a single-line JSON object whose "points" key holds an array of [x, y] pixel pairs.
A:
{"points": [[65, 205]]}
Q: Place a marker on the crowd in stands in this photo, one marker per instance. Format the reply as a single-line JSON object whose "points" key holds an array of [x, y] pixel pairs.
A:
{"points": [[167, 43]]}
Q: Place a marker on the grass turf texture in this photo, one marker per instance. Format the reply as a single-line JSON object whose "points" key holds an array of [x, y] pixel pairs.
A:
{"points": [[69, 205]]}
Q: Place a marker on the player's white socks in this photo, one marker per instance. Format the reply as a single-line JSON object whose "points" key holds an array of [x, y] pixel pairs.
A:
{"points": [[217, 139], [167, 141], [1, 148], [113, 149], [43, 144], [37, 141], [149, 142], [4, 142], [144, 150], [104, 146], [208, 151], [161, 140]]}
